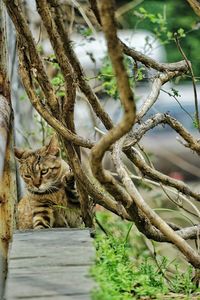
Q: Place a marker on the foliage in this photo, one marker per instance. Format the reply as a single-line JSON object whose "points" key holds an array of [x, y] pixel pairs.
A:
{"points": [[164, 21], [108, 78], [117, 276], [125, 270]]}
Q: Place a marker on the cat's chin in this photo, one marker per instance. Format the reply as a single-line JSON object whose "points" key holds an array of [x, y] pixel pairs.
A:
{"points": [[43, 190], [36, 190]]}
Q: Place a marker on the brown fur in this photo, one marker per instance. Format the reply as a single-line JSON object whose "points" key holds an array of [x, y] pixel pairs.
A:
{"points": [[50, 200]]}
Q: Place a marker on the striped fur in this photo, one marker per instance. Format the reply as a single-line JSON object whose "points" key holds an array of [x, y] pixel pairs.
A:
{"points": [[51, 199]]}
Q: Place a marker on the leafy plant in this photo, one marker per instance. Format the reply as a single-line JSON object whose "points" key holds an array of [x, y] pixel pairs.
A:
{"points": [[182, 281], [164, 21], [117, 275], [125, 271], [107, 76]]}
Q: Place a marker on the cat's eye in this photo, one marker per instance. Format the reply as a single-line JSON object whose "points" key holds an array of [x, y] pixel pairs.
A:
{"points": [[43, 172], [27, 176]]}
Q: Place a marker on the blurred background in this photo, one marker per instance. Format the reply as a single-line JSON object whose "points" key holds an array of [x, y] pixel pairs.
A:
{"points": [[147, 26]]}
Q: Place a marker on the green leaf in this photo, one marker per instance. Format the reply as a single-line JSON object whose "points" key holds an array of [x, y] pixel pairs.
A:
{"points": [[181, 32]]}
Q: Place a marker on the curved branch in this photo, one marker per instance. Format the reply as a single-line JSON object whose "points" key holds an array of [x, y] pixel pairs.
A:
{"points": [[66, 68], [195, 6], [177, 202], [160, 118], [144, 225], [93, 187], [24, 69], [27, 41], [159, 177], [47, 17], [180, 66], [154, 93], [79, 73], [149, 62], [192, 77], [152, 217], [126, 96]]}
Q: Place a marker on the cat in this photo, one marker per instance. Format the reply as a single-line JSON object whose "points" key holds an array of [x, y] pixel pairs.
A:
{"points": [[51, 199]]}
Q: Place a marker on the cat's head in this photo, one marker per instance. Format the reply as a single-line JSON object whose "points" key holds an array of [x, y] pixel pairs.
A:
{"points": [[41, 169]]}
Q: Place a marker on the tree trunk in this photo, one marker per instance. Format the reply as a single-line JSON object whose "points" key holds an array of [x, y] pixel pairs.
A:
{"points": [[7, 162]]}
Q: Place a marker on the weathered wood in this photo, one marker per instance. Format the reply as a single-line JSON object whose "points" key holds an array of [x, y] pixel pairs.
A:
{"points": [[50, 264], [7, 164]]}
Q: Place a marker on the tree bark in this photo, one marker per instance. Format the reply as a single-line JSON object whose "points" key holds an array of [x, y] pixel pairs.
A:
{"points": [[7, 162], [195, 6]]}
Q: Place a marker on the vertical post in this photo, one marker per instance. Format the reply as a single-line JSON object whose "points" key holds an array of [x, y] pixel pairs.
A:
{"points": [[7, 163]]}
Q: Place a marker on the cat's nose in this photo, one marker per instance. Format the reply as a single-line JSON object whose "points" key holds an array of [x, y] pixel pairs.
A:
{"points": [[36, 184]]}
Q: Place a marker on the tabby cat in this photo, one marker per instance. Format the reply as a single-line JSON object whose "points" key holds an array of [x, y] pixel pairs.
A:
{"points": [[50, 199]]}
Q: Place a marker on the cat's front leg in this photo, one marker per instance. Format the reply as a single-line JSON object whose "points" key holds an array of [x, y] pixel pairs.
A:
{"points": [[43, 217]]}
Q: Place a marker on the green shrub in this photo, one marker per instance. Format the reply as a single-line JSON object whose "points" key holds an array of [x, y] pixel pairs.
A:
{"points": [[125, 268]]}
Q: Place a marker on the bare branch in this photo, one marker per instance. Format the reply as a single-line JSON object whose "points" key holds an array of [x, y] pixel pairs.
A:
{"points": [[159, 118], [159, 177], [195, 6], [180, 66], [193, 79], [27, 43], [97, 153], [80, 76], [154, 93], [42, 110], [173, 191], [66, 68], [94, 189], [154, 219], [94, 7]]}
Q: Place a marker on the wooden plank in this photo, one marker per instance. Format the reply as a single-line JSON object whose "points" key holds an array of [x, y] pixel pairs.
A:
{"points": [[59, 297], [50, 264]]}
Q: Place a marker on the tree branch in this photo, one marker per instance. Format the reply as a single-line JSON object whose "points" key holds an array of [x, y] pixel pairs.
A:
{"points": [[159, 177], [158, 81], [195, 6], [80, 76], [159, 118], [24, 69], [66, 68], [149, 62], [154, 219], [27, 43], [180, 66], [126, 96]]}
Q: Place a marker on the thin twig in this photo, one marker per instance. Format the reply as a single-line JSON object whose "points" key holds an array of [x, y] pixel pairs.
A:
{"points": [[174, 191], [155, 219], [179, 103], [193, 79], [102, 227]]}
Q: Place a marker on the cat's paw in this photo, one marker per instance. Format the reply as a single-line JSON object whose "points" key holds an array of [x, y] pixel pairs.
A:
{"points": [[38, 227]]}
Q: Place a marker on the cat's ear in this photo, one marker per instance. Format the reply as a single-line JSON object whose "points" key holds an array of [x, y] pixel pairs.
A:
{"points": [[19, 153], [53, 146]]}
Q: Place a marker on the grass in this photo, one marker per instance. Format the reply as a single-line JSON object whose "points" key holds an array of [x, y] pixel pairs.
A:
{"points": [[125, 268]]}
